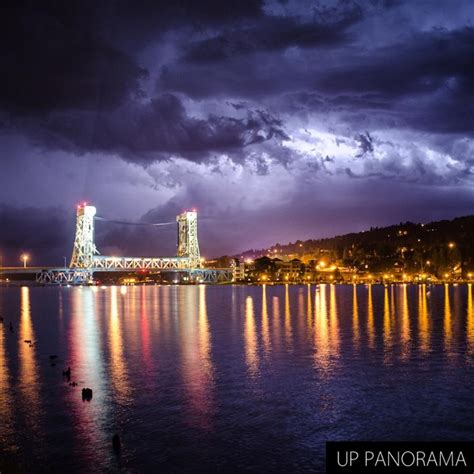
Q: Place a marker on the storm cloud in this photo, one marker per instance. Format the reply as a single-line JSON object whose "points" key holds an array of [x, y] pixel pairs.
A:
{"points": [[277, 119]]}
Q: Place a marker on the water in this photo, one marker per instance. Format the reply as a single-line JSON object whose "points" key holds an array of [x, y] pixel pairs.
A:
{"points": [[214, 378]]}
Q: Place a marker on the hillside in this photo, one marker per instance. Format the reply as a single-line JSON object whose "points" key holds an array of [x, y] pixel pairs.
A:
{"points": [[435, 247]]}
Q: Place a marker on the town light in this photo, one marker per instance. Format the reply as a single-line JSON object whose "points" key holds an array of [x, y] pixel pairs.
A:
{"points": [[24, 258], [451, 245]]}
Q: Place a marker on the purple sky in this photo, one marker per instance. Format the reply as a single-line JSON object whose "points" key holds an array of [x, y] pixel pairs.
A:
{"points": [[277, 120]]}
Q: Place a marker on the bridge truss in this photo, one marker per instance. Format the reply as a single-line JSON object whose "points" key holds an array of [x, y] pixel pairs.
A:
{"points": [[86, 258], [64, 277], [100, 263]]}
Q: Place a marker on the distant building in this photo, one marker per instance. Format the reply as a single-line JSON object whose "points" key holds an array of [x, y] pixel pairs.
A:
{"points": [[238, 269]]}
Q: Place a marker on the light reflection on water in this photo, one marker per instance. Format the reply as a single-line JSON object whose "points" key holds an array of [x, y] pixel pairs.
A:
{"points": [[265, 323], [251, 352], [470, 321], [234, 376], [119, 372]]}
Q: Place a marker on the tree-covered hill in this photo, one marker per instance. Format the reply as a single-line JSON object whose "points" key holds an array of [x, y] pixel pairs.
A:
{"points": [[435, 247]]}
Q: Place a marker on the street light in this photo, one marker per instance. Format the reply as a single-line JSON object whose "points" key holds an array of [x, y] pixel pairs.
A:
{"points": [[25, 258], [451, 245]]}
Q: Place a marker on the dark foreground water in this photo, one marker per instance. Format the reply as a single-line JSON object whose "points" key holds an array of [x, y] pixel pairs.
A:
{"points": [[229, 378]]}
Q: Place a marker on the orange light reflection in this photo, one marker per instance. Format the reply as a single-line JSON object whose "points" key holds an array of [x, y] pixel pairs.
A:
{"points": [[251, 349]]}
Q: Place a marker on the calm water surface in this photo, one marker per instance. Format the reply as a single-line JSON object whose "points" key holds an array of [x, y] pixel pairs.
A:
{"points": [[219, 378]]}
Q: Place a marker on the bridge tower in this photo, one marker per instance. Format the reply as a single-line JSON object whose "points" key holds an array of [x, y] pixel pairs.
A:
{"points": [[84, 246], [188, 244]]}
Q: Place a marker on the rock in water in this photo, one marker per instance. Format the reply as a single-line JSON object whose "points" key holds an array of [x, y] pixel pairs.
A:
{"points": [[116, 443], [87, 394]]}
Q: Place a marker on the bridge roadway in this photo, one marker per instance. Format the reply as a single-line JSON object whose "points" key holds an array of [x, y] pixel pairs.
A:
{"points": [[29, 269]]}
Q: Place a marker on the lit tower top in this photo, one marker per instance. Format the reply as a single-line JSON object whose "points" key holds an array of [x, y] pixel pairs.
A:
{"points": [[188, 244], [84, 246]]}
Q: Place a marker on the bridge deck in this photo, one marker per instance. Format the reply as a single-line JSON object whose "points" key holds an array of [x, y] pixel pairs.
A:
{"points": [[30, 269]]}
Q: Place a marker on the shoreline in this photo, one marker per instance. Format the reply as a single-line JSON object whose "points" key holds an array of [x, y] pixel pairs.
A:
{"points": [[20, 283]]}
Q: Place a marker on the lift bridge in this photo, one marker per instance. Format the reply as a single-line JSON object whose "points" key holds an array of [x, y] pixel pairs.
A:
{"points": [[86, 259]]}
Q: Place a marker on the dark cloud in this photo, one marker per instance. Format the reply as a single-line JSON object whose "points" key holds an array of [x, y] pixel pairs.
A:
{"points": [[429, 61], [45, 234], [145, 132], [271, 34], [51, 60], [425, 82], [78, 54], [365, 144]]}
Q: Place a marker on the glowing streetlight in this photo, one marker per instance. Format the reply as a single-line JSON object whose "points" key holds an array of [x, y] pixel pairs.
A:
{"points": [[451, 245], [25, 258]]}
